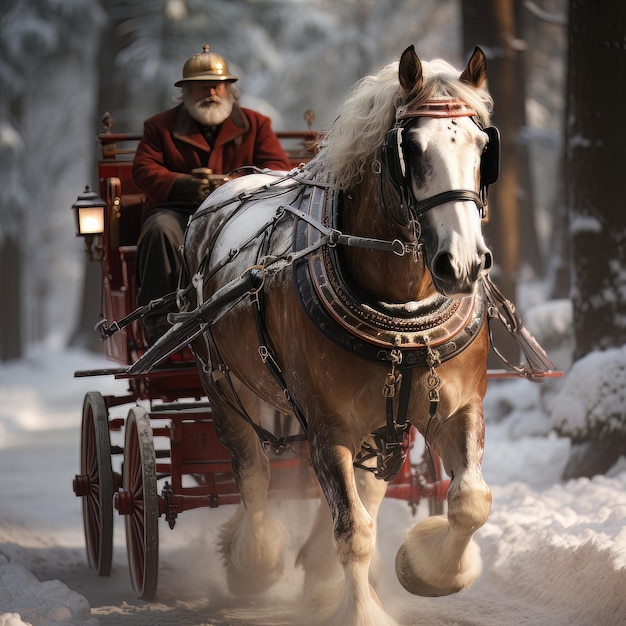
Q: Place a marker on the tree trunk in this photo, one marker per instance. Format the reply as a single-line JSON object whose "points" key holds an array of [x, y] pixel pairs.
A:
{"points": [[491, 25], [112, 97], [559, 272], [84, 335], [529, 249], [596, 167], [11, 309]]}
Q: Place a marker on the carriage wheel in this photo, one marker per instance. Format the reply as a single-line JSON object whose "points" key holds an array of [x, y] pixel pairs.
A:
{"points": [[95, 483], [141, 504]]}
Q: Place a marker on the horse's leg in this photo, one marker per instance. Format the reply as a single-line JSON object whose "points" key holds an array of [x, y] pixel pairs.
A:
{"points": [[317, 556], [252, 541], [372, 493], [439, 556], [352, 603]]}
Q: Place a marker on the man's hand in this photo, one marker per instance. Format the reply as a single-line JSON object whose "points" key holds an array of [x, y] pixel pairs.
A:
{"points": [[212, 180], [190, 189]]}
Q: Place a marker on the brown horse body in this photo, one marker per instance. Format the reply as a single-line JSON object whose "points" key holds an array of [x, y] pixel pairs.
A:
{"points": [[339, 392]]}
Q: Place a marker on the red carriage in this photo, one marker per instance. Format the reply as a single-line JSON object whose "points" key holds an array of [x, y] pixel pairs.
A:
{"points": [[188, 467]]}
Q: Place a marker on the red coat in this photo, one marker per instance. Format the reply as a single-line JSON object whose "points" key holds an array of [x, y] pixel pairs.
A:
{"points": [[173, 144]]}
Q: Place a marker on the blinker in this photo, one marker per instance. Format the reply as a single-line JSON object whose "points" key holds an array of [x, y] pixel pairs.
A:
{"points": [[490, 161]]}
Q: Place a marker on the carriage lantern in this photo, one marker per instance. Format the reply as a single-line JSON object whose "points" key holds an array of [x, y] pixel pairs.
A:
{"points": [[89, 213]]}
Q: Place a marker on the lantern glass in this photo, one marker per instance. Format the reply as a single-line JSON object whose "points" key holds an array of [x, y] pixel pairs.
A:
{"points": [[91, 220], [89, 213]]}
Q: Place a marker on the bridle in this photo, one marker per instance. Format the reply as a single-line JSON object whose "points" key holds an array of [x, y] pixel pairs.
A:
{"points": [[395, 169]]}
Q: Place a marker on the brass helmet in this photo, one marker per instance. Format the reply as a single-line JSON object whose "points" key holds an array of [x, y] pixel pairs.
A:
{"points": [[205, 66]]}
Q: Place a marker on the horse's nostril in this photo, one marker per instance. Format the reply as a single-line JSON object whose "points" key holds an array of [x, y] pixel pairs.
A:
{"points": [[442, 267]]}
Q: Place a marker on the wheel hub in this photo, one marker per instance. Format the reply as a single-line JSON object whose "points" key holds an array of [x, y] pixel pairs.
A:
{"points": [[123, 502], [81, 485]]}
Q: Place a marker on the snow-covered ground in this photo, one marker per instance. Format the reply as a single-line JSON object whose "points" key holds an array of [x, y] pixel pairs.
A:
{"points": [[554, 552]]}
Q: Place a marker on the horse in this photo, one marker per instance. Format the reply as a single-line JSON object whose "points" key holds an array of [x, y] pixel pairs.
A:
{"points": [[363, 313]]}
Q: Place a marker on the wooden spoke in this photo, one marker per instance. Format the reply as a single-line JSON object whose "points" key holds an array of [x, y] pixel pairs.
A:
{"points": [[97, 483], [140, 488]]}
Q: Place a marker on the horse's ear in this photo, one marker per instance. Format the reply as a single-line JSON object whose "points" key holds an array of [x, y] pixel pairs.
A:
{"points": [[475, 73], [410, 71]]}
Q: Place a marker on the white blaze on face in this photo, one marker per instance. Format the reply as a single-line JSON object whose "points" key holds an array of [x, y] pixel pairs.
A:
{"points": [[446, 157]]}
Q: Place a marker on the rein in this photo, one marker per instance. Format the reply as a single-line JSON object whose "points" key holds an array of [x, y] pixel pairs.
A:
{"points": [[333, 237]]}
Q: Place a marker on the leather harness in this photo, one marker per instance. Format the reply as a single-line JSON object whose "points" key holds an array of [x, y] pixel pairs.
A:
{"points": [[404, 337], [372, 330]]}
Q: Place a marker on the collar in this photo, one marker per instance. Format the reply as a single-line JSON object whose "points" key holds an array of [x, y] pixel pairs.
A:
{"points": [[373, 330]]}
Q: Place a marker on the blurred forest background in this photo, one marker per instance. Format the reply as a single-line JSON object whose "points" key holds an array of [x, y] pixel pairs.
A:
{"points": [[64, 62]]}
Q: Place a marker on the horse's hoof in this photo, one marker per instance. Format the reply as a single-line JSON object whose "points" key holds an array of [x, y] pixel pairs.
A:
{"points": [[435, 560], [413, 583]]}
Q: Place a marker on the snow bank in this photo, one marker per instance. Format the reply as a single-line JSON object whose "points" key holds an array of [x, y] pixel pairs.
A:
{"points": [[593, 397], [564, 549], [34, 603], [554, 552]]}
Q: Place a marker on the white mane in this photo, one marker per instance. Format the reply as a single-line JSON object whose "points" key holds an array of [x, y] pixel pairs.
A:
{"points": [[368, 112]]}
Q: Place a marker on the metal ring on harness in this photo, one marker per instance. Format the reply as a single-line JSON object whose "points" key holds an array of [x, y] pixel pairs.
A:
{"points": [[260, 268]]}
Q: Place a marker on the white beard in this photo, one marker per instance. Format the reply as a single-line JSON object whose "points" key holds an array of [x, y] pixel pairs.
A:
{"points": [[209, 111]]}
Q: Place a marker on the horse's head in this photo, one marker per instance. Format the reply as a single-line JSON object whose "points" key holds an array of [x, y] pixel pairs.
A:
{"points": [[437, 162]]}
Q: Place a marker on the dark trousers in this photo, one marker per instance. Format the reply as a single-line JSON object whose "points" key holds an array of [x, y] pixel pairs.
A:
{"points": [[159, 260]]}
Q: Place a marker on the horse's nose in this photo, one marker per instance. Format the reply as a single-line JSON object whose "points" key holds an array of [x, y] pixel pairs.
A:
{"points": [[448, 277], [443, 267], [453, 278]]}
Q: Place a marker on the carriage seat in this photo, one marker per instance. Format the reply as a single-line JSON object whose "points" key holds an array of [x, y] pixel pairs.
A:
{"points": [[126, 209]]}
